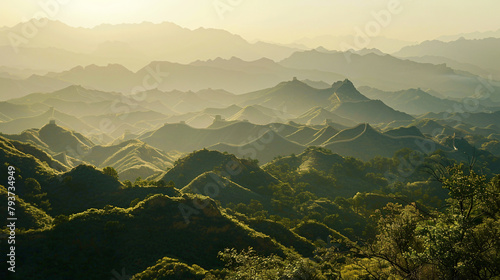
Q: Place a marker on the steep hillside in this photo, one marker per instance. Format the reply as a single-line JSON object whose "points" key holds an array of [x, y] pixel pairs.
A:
{"points": [[29, 160], [404, 131], [312, 158], [220, 188], [316, 166], [28, 136], [344, 91], [434, 128], [371, 143], [372, 111], [243, 172], [236, 133], [60, 139], [10, 111], [348, 133], [295, 96], [29, 216], [323, 135], [195, 237], [264, 148], [319, 115], [131, 159], [254, 115], [303, 135]]}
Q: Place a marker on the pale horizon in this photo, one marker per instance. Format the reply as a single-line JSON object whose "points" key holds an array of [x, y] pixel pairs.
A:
{"points": [[278, 22]]}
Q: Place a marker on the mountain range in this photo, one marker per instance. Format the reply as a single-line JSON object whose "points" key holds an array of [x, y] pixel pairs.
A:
{"points": [[389, 73], [132, 45], [480, 52]]}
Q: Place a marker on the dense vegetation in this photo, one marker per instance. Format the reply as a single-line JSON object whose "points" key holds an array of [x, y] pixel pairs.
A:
{"points": [[315, 215]]}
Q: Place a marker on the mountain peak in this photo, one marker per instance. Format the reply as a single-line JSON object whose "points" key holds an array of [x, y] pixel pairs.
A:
{"points": [[265, 60], [346, 91], [294, 83], [344, 83], [71, 88]]}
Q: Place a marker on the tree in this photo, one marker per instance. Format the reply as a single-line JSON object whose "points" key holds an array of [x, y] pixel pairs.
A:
{"points": [[110, 171], [248, 265], [35, 195], [60, 219], [134, 202], [459, 243], [397, 243], [463, 241]]}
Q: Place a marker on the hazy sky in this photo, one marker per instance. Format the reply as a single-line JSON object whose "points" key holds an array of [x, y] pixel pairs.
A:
{"points": [[272, 20]]}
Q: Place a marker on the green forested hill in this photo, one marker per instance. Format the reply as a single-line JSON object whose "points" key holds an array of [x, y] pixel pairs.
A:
{"points": [[264, 148], [110, 236], [243, 172], [371, 143], [132, 159], [221, 189]]}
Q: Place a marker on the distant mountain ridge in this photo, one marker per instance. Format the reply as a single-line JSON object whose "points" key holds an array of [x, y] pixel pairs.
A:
{"points": [[134, 46], [388, 72], [481, 52], [367, 143], [412, 101]]}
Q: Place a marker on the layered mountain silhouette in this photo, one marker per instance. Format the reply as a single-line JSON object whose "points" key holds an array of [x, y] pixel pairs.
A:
{"points": [[258, 115], [345, 101], [12, 87], [323, 135], [133, 45], [412, 101], [371, 111], [10, 111], [265, 148], [68, 149], [480, 52], [113, 77], [337, 42], [163, 152], [131, 159], [59, 139], [294, 97], [404, 131], [387, 72], [318, 115], [35, 163], [344, 91], [55, 139], [365, 143], [166, 137], [18, 125]]}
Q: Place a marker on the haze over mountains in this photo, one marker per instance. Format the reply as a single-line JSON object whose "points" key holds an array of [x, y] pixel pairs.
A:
{"points": [[229, 62], [58, 46], [181, 153], [480, 52], [107, 92]]}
